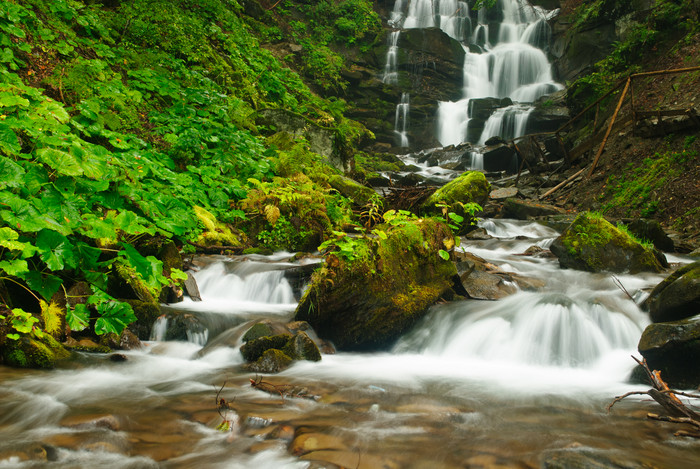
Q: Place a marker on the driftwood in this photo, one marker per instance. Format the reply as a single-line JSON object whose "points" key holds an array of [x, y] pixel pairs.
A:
{"points": [[408, 198], [668, 399], [283, 390]]}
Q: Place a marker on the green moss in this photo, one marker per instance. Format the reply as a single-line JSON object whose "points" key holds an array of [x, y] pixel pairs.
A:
{"points": [[360, 195], [592, 243], [271, 361], [470, 187], [28, 352], [255, 348], [215, 233], [367, 301]]}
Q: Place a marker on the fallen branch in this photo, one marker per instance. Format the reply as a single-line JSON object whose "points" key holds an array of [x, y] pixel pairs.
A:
{"points": [[668, 399]]}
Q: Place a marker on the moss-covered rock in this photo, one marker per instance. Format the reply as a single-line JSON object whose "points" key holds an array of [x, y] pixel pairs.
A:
{"points": [[216, 233], [593, 244], [255, 348], [367, 302], [677, 297], [301, 347], [361, 195], [32, 352], [271, 361], [674, 349], [470, 187], [146, 313]]}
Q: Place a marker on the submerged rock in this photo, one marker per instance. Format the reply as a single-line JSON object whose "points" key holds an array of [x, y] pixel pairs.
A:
{"points": [[367, 300], [674, 349], [677, 297], [593, 244]]}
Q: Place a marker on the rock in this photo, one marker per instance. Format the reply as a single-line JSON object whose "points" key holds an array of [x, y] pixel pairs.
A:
{"points": [[591, 243], [307, 442], [471, 186], [503, 193], [146, 314], [191, 287], [301, 347], [677, 297], [547, 115], [30, 352], [255, 348], [501, 157], [582, 457], [127, 340], [272, 361], [650, 230], [322, 140], [367, 302], [361, 195], [485, 286], [526, 209], [674, 349]]}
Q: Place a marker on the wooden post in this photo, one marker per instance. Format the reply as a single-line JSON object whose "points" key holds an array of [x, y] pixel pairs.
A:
{"points": [[612, 122], [567, 157]]}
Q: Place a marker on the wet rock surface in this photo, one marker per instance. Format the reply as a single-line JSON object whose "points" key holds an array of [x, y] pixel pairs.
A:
{"points": [[677, 297]]}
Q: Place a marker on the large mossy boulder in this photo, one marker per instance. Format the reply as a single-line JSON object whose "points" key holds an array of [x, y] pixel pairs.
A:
{"points": [[677, 297], [674, 349], [217, 233], [33, 352], [360, 195], [366, 300], [470, 187], [593, 244]]}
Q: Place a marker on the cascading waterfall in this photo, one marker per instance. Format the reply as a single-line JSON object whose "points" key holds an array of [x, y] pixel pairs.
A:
{"points": [[503, 59], [401, 120]]}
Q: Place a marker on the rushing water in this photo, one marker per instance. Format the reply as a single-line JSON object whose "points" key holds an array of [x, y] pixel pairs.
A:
{"points": [[519, 382]]}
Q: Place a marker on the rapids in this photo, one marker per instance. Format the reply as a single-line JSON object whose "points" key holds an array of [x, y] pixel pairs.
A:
{"points": [[521, 382]]}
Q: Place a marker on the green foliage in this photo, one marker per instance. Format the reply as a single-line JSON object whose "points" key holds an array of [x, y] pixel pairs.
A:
{"points": [[667, 19], [22, 322], [638, 190]]}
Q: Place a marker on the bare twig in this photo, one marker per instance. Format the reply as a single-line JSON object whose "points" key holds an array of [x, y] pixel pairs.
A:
{"points": [[619, 285]]}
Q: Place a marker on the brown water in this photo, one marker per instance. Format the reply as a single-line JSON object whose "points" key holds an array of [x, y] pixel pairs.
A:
{"points": [[466, 389]]}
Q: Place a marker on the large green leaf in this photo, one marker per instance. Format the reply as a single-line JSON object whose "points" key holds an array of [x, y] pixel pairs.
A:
{"points": [[114, 317], [61, 161], [15, 268], [9, 143], [45, 284], [77, 318], [149, 268], [55, 250]]}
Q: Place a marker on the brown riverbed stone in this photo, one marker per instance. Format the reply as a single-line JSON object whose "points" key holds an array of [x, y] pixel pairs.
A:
{"points": [[108, 421], [353, 459], [308, 442]]}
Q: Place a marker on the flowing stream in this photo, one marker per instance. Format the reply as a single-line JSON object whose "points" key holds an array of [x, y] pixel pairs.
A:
{"points": [[520, 382]]}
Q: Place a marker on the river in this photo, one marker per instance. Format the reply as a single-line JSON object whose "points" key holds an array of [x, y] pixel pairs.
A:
{"points": [[520, 382]]}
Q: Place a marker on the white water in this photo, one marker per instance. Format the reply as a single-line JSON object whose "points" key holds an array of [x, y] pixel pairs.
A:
{"points": [[233, 288], [512, 65], [401, 120], [472, 377]]}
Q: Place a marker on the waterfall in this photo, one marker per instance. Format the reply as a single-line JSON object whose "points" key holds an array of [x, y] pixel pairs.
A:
{"points": [[504, 58], [391, 75], [401, 120]]}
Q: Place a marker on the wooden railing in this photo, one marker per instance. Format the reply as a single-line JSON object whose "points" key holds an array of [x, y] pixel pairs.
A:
{"points": [[597, 137]]}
